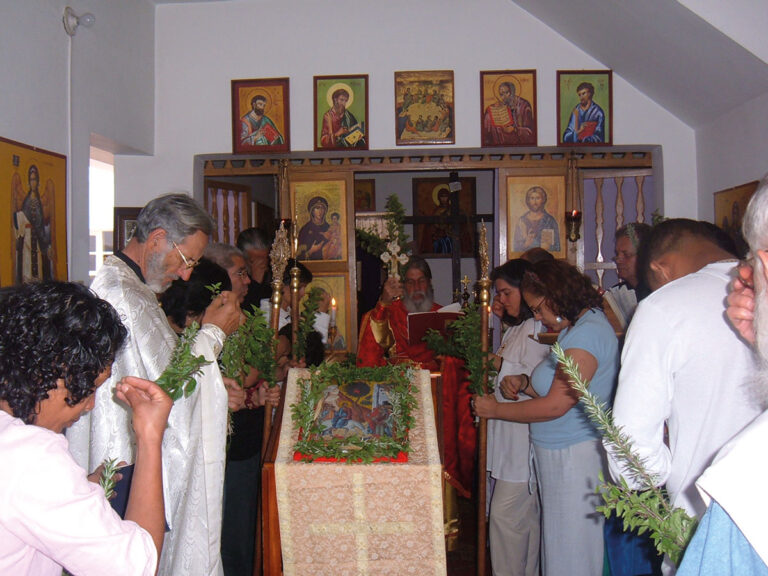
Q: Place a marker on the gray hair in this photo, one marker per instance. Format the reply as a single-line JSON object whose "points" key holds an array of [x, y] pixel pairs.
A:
{"points": [[420, 264], [755, 230], [178, 214], [252, 239], [221, 254], [755, 223]]}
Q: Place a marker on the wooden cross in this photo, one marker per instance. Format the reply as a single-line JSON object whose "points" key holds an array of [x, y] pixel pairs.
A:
{"points": [[360, 527], [456, 220]]}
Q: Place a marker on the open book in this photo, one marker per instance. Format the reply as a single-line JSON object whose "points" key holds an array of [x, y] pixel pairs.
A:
{"points": [[420, 322]]}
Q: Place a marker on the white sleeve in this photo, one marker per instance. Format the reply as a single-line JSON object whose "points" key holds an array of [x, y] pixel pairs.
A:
{"points": [[644, 394], [322, 322], [57, 511]]}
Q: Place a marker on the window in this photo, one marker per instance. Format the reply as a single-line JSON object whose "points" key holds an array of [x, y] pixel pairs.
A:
{"points": [[101, 205]]}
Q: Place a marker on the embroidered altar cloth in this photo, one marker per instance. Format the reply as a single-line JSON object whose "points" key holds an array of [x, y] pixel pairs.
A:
{"points": [[381, 519]]}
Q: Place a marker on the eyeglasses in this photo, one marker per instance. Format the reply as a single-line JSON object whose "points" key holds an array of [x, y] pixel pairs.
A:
{"points": [[188, 262], [242, 273], [537, 309]]}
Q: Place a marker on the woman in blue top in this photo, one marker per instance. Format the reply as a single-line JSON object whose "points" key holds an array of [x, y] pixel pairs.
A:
{"points": [[567, 448]]}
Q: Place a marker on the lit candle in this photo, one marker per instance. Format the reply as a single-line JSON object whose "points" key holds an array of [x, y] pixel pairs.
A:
{"points": [[333, 312]]}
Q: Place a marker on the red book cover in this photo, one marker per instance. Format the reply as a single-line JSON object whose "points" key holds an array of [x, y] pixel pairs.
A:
{"points": [[420, 322], [587, 130], [269, 133]]}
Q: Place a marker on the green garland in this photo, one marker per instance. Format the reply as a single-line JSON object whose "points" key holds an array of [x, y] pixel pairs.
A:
{"points": [[465, 342], [178, 378], [354, 449], [647, 510]]}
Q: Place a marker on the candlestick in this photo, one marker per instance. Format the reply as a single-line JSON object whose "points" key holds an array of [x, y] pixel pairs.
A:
{"points": [[333, 312], [572, 224]]}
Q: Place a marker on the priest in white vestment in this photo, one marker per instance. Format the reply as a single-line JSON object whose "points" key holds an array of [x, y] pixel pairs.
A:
{"points": [[172, 232]]}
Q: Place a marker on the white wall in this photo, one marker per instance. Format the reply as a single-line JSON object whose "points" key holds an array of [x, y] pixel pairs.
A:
{"points": [[745, 21], [732, 150], [112, 90], [33, 58], [201, 47]]}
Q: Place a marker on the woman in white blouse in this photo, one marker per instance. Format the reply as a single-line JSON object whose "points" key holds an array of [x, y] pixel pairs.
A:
{"points": [[514, 515]]}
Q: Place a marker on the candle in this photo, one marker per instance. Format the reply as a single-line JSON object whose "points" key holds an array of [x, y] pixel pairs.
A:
{"points": [[333, 312]]}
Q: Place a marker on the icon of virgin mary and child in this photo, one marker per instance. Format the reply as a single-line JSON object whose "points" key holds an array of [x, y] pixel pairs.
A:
{"points": [[319, 239]]}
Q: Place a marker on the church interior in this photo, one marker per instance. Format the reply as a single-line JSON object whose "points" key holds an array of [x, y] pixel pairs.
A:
{"points": [[147, 87]]}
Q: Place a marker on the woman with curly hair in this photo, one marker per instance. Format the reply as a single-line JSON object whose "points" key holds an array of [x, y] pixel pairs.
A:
{"points": [[567, 448], [57, 345]]}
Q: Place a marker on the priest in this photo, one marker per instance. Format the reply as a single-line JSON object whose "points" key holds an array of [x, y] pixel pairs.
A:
{"points": [[171, 233], [384, 331]]}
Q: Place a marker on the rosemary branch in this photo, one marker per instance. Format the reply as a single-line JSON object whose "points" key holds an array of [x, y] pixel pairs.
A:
{"points": [[107, 478], [647, 510]]}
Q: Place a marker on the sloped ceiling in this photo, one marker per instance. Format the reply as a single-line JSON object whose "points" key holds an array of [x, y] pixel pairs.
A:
{"points": [[663, 49]]}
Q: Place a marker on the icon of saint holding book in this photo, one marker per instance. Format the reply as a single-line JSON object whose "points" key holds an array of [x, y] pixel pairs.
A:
{"points": [[587, 123], [340, 127], [256, 128], [509, 122]]}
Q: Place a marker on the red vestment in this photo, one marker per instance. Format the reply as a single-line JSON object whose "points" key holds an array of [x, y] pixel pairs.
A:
{"points": [[459, 433], [371, 353]]}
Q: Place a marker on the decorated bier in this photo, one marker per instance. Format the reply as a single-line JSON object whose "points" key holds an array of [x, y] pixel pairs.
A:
{"points": [[355, 506]]}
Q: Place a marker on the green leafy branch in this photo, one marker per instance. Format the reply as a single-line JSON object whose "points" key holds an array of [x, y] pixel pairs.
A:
{"points": [[647, 510], [354, 448], [307, 320], [107, 478], [252, 344], [465, 342], [178, 378]]}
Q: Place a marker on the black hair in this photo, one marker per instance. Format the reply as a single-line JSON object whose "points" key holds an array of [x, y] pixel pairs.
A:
{"points": [[305, 275], [314, 351], [512, 273], [51, 331], [667, 236], [252, 239], [193, 297]]}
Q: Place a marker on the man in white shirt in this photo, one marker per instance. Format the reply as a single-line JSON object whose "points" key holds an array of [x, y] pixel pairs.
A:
{"points": [[682, 364]]}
